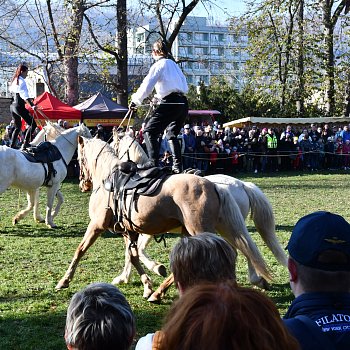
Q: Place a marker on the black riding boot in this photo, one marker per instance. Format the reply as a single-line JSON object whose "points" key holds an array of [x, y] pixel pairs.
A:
{"points": [[14, 138], [152, 146], [176, 153]]}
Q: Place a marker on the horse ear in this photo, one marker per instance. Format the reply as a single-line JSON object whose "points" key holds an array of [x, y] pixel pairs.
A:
{"points": [[81, 141]]}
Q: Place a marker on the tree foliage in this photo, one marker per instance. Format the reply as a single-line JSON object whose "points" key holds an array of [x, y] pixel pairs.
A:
{"points": [[293, 49]]}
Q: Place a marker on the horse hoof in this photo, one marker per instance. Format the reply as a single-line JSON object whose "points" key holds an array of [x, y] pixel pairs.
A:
{"points": [[263, 284], [51, 226], [62, 285], [154, 299], [160, 270], [147, 294], [14, 221], [119, 280]]}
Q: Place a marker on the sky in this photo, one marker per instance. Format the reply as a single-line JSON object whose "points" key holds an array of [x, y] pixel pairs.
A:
{"points": [[222, 9]]}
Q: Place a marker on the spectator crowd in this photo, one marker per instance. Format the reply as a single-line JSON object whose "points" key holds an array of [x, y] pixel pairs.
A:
{"points": [[213, 149], [253, 149]]}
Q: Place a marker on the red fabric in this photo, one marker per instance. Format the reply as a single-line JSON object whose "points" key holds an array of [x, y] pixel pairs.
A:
{"points": [[234, 156], [53, 108]]}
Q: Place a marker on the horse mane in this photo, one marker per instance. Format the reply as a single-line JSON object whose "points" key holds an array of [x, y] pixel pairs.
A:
{"points": [[103, 153], [128, 145]]}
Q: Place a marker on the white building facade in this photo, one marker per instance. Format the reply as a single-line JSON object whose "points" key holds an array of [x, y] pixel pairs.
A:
{"points": [[204, 51]]}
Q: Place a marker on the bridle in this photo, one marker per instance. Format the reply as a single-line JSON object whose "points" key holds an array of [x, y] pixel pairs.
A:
{"points": [[126, 150], [85, 177]]}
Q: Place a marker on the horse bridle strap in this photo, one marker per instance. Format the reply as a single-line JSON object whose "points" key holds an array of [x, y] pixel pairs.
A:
{"points": [[127, 150]]}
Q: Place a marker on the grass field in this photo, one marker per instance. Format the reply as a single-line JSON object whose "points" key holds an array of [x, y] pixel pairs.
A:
{"points": [[33, 258]]}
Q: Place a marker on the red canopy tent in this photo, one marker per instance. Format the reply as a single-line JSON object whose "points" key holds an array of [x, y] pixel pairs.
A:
{"points": [[52, 108]]}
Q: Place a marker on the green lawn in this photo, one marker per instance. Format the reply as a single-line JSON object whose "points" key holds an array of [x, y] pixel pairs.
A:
{"points": [[33, 258]]}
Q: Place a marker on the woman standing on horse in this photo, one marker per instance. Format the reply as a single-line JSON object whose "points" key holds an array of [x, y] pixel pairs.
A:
{"points": [[18, 109]]}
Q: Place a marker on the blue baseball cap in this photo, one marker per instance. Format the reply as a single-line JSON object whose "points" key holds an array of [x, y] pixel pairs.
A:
{"points": [[318, 233]]}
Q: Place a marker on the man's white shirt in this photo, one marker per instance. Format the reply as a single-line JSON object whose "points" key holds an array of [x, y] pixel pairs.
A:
{"points": [[165, 77]]}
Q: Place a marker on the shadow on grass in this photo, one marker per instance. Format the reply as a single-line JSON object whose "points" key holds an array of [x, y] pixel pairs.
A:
{"points": [[281, 295], [17, 333], [288, 228]]}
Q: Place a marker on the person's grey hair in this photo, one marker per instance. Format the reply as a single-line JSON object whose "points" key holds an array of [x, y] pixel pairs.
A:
{"points": [[161, 47], [205, 257], [99, 317]]}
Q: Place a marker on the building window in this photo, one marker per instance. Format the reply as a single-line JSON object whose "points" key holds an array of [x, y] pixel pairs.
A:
{"points": [[139, 37], [185, 51], [214, 51], [139, 49], [214, 37], [205, 36], [185, 37], [190, 79], [221, 51]]}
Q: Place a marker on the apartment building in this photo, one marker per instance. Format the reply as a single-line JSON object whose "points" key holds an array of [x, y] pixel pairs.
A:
{"points": [[203, 50]]}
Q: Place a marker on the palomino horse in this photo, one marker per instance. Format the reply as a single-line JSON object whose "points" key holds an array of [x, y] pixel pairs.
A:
{"points": [[28, 176], [182, 200], [248, 196]]}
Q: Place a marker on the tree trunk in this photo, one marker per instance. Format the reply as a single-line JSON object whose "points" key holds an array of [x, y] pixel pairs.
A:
{"points": [[329, 57], [70, 59], [300, 68], [122, 63], [346, 111]]}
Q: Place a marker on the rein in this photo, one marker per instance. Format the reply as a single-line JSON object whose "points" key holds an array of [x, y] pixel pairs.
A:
{"points": [[57, 132], [127, 150]]}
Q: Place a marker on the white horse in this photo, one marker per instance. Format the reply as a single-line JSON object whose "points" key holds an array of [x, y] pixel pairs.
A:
{"points": [[247, 195], [28, 176]]}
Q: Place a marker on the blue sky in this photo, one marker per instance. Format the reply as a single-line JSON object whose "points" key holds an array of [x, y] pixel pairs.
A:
{"points": [[221, 10]]}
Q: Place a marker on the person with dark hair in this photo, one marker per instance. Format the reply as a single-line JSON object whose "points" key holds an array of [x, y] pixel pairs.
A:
{"points": [[319, 273], [170, 102], [203, 258], [19, 88], [99, 317], [224, 316]]}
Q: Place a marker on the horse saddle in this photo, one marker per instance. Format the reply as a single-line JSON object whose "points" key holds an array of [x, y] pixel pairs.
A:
{"points": [[44, 152], [127, 177], [133, 183]]}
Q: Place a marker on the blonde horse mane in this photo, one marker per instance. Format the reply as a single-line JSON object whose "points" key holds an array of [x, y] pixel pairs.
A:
{"points": [[99, 152], [126, 147]]}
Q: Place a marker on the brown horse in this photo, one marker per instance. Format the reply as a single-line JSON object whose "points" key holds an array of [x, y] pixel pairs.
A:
{"points": [[183, 200]]}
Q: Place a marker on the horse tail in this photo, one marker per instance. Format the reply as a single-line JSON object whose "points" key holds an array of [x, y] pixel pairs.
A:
{"points": [[232, 227], [264, 220]]}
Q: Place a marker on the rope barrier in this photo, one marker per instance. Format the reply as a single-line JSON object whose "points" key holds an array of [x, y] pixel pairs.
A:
{"points": [[242, 154]]}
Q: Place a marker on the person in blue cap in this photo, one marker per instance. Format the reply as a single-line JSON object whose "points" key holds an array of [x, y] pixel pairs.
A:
{"points": [[319, 273]]}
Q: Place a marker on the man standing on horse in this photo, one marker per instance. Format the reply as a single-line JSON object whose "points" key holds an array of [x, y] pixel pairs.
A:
{"points": [[171, 105]]}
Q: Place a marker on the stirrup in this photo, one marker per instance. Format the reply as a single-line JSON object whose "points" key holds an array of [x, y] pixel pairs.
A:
{"points": [[176, 169], [149, 164], [24, 146]]}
